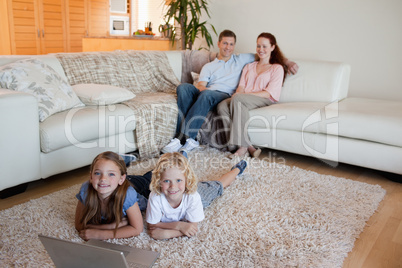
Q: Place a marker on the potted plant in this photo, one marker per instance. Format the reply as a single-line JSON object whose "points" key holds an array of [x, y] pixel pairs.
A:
{"points": [[186, 14]]}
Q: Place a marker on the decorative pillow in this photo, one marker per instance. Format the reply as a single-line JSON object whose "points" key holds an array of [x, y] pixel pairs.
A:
{"points": [[54, 94], [195, 77], [95, 94]]}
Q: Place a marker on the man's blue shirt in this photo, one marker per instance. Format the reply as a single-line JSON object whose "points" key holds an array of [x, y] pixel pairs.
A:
{"points": [[225, 76]]}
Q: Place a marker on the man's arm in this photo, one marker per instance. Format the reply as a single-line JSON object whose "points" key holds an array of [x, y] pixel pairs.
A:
{"points": [[292, 66], [201, 86]]}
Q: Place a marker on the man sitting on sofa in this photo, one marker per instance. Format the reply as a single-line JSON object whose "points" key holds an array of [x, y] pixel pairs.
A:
{"points": [[218, 80]]}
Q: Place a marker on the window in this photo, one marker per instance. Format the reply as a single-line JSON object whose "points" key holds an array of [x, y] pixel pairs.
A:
{"points": [[118, 6], [143, 11]]}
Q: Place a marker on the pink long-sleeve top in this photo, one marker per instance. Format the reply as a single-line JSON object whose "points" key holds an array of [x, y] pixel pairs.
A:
{"points": [[271, 80]]}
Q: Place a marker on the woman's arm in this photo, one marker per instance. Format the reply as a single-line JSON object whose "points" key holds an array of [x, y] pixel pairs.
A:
{"points": [[165, 230], [240, 89], [262, 94], [133, 228]]}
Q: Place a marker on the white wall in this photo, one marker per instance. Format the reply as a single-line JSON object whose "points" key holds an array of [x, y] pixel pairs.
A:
{"points": [[367, 34]]}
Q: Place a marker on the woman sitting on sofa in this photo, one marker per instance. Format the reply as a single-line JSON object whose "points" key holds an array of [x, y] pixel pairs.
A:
{"points": [[260, 85]]}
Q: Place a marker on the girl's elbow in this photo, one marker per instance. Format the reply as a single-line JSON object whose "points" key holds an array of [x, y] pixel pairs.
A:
{"points": [[137, 232]]}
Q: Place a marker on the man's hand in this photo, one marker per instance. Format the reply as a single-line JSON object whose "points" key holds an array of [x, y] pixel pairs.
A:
{"points": [[292, 66], [201, 86]]}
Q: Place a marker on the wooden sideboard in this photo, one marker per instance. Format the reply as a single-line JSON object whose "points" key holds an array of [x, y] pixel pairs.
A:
{"points": [[125, 43]]}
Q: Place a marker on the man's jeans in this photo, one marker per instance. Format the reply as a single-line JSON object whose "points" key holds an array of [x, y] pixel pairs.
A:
{"points": [[194, 107]]}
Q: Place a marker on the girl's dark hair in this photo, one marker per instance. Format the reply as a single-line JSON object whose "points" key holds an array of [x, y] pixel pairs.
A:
{"points": [[276, 55], [114, 207]]}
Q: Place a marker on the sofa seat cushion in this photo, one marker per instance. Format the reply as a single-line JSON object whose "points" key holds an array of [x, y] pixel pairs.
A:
{"points": [[84, 125], [373, 120], [288, 116], [356, 118]]}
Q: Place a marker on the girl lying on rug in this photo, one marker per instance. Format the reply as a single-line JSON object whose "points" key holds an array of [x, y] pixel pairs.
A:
{"points": [[109, 207]]}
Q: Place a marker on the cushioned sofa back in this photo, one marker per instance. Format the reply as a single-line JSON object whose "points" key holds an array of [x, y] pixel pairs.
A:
{"points": [[193, 61], [175, 61], [322, 81]]}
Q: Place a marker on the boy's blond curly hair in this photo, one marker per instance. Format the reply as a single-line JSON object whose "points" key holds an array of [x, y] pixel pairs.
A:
{"points": [[176, 160]]}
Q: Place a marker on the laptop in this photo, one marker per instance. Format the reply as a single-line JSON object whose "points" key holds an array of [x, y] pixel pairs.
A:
{"points": [[96, 253]]}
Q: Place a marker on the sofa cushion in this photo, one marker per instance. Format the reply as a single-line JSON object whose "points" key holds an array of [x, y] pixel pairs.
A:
{"points": [[350, 118], [321, 81], [296, 116], [137, 71], [374, 120], [49, 59], [95, 94], [193, 61], [33, 76], [196, 78], [79, 126], [175, 61]]}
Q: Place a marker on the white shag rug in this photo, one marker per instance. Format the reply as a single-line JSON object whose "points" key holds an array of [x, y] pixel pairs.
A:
{"points": [[272, 216]]}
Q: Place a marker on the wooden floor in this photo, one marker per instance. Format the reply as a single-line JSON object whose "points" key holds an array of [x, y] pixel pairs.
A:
{"points": [[379, 245]]}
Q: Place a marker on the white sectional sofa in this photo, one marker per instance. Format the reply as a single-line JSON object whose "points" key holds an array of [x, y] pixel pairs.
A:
{"points": [[31, 150], [314, 118]]}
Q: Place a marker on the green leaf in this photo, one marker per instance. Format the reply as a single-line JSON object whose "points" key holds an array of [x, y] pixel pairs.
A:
{"points": [[187, 13]]}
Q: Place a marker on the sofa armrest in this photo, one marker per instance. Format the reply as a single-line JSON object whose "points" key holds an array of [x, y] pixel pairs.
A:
{"points": [[19, 138]]}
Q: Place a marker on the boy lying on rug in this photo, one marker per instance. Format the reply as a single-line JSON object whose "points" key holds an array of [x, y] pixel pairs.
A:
{"points": [[109, 207]]}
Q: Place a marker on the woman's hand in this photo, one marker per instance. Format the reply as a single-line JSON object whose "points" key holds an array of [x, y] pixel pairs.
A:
{"points": [[239, 89]]}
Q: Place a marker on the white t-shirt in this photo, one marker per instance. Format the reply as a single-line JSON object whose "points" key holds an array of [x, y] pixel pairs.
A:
{"points": [[159, 209]]}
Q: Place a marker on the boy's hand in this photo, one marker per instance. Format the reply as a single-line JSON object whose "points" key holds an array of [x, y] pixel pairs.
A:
{"points": [[157, 233], [188, 228]]}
